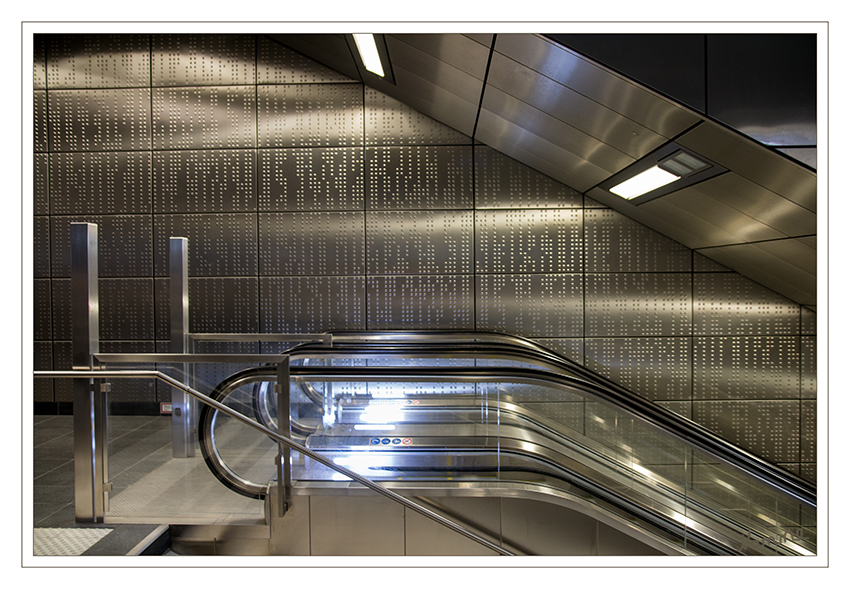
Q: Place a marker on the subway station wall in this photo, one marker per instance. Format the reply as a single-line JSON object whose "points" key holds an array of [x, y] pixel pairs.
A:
{"points": [[312, 202]]}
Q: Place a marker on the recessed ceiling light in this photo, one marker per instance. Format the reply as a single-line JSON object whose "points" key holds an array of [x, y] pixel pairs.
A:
{"points": [[644, 182], [369, 53]]}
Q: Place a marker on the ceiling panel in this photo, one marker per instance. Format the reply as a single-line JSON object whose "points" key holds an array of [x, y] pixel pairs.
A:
{"points": [[457, 51]]}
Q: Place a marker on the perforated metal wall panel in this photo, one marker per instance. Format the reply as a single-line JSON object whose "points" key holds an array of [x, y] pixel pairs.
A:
{"points": [[528, 241], [419, 302], [426, 177], [808, 322], [204, 181], [214, 117], [389, 122], [41, 247], [206, 376], [62, 388], [42, 310], [531, 305], [202, 60], [615, 243], [704, 264], [770, 429], [41, 203], [39, 62], [419, 242], [729, 304], [311, 179], [278, 64], [219, 245], [312, 304], [100, 120], [572, 348], [131, 390], [223, 305], [98, 61], [106, 183], [323, 243], [40, 121], [124, 244], [637, 305], [504, 183], [310, 115], [42, 359], [747, 367], [658, 369], [808, 431], [808, 367], [126, 309]]}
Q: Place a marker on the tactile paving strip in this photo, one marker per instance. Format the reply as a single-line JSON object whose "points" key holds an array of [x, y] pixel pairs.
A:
{"points": [[65, 541]]}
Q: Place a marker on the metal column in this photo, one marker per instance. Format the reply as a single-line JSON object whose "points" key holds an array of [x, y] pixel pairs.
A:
{"points": [[182, 414], [89, 403]]}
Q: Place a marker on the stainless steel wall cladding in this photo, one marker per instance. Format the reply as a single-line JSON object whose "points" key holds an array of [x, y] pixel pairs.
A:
{"points": [[202, 60], [420, 177], [419, 242], [528, 241], [100, 120], [533, 305], [808, 431], [278, 64], [124, 245], [656, 368], [504, 183], [127, 390], [41, 203], [615, 243], [126, 309], [42, 310], [204, 181], [219, 245], [223, 305], [105, 183], [704, 264], [312, 304], [808, 367], [207, 376], [42, 360], [637, 305], [572, 348], [756, 425], [98, 61], [317, 243], [311, 179], [205, 117], [747, 367], [39, 62], [40, 121], [419, 302], [389, 122], [310, 115], [41, 249]]}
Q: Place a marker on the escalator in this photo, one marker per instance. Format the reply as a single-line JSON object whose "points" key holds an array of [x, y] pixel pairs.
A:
{"points": [[497, 415]]}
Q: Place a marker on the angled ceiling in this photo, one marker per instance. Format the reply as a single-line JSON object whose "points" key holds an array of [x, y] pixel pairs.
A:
{"points": [[581, 123]]}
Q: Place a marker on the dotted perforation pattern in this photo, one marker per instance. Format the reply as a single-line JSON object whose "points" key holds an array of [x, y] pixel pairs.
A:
{"points": [[312, 304], [100, 120], [98, 61], [390, 122], [419, 302], [104, 183], [203, 60], [278, 64], [204, 181], [223, 305], [123, 249]]}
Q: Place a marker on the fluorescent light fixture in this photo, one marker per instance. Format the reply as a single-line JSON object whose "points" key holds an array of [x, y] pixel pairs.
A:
{"points": [[644, 182], [369, 53]]}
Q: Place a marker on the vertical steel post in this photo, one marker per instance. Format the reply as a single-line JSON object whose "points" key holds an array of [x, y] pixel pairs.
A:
{"points": [[182, 414], [89, 406], [284, 472]]}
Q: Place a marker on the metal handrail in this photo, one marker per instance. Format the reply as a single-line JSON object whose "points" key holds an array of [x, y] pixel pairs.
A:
{"points": [[281, 439]]}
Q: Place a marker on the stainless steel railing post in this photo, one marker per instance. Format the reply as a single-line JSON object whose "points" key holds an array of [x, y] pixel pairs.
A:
{"points": [[284, 473], [182, 415]]}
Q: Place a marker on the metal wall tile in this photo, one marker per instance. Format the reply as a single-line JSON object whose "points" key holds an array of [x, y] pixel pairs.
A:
{"points": [[570, 348], [207, 181], [426, 177], [40, 121], [41, 247], [809, 431], [419, 302], [658, 369], [770, 429], [207, 376], [590, 203], [808, 367], [809, 472], [59, 309], [682, 408], [106, 183], [214, 117], [223, 305], [528, 241], [419, 242], [126, 309], [202, 60], [310, 115], [100, 120], [311, 179], [615, 243], [278, 64], [729, 304], [219, 245], [536, 305], [390, 122], [62, 387], [747, 367], [330, 49], [124, 245], [98, 61], [637, 305], [42, 310], [41, 200], [326, 243], [502, 182], [808, 321], [704, 264], [42, 359], [39, 62], [131, 390], [312, 304]]}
